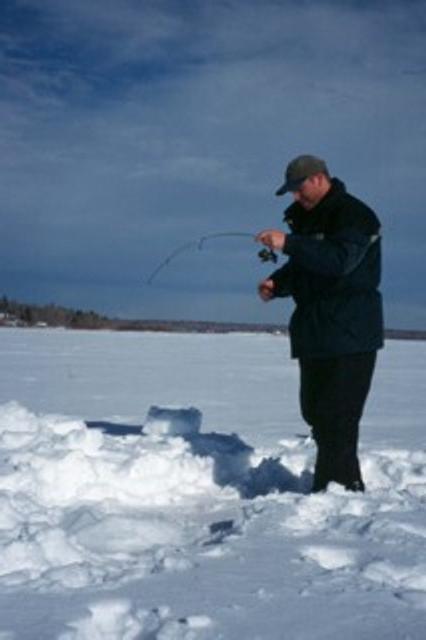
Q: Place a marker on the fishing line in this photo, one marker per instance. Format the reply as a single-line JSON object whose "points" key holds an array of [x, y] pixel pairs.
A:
{"points": [[265, 254], [211, 236]]}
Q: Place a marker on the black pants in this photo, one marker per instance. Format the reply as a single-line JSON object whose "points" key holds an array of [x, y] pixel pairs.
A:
{"points": [[333, 392]]}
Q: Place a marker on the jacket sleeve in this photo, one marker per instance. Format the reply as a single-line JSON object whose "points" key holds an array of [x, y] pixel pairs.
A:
{"points": [[282, 281], [335, 255]]}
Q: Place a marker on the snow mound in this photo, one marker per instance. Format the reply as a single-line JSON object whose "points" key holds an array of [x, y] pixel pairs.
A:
{"points": [[329, 557], [107, 619], [113, 619], [398, 576], [57, 463], [78, 507]]}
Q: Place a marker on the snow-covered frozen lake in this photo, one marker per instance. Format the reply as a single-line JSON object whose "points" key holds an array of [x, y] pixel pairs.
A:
{"points": [[185, 532]]}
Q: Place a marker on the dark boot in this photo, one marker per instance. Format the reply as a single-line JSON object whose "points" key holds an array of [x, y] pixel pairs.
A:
{"points": [[355, 485]]}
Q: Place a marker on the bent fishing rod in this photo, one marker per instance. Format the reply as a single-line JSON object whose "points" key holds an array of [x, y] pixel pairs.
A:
{"points": [[265, 255]]}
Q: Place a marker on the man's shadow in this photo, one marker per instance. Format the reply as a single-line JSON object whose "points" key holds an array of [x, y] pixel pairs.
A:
{"points": [[232, 461]]}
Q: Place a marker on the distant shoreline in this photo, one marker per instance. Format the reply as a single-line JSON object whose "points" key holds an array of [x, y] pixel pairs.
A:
{"points": [[18, 314], [197, 327]]}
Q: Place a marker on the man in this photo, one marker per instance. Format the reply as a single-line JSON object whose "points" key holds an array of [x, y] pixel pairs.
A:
{"points": [[332, 273]]}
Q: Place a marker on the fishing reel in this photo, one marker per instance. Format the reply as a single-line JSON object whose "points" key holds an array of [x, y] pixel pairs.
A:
{"points": [[267, 255]]}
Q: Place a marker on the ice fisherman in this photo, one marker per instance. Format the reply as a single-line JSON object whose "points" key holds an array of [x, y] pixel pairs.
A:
{"points": [[333, 273]]}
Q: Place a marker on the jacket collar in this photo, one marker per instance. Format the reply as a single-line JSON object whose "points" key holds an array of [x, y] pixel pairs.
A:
{"points": [[296, 213]]}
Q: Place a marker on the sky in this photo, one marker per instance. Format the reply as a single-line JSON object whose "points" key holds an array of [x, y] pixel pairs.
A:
{"points": [[129, 128]]}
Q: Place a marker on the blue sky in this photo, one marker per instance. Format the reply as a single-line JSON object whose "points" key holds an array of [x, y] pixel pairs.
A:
{"points": [[129, 128]]}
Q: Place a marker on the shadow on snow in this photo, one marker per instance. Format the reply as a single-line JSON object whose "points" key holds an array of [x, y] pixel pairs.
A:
{"points": [[232, 461]]}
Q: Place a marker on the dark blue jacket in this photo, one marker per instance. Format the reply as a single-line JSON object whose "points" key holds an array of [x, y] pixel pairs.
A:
{"points": [[333, 274]]}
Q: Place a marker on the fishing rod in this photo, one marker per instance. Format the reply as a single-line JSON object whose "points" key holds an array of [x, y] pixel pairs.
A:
{"points": [[265, 255]]}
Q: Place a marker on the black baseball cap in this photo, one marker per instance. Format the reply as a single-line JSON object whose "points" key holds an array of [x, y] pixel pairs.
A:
{"points": [[298, 170]]}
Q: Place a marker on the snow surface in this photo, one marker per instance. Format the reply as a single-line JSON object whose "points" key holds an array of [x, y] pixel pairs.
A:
{"points": [[156, 487]]}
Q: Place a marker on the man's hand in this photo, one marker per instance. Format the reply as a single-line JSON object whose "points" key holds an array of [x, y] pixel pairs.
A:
{"points": [[266, 290], [272, 239]]}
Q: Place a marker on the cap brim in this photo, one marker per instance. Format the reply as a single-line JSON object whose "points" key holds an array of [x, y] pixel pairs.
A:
{"points": [[282, 190], [289, 186]]}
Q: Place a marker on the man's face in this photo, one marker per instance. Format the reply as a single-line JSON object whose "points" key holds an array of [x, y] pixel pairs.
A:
{"points": [[310, 192]]}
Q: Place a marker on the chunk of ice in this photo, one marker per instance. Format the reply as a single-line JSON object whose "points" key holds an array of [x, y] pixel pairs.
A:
{"points": [[170, 421]]}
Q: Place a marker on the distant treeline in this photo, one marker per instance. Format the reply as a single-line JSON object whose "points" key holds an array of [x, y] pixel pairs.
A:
{"points": [[13, 313]]}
